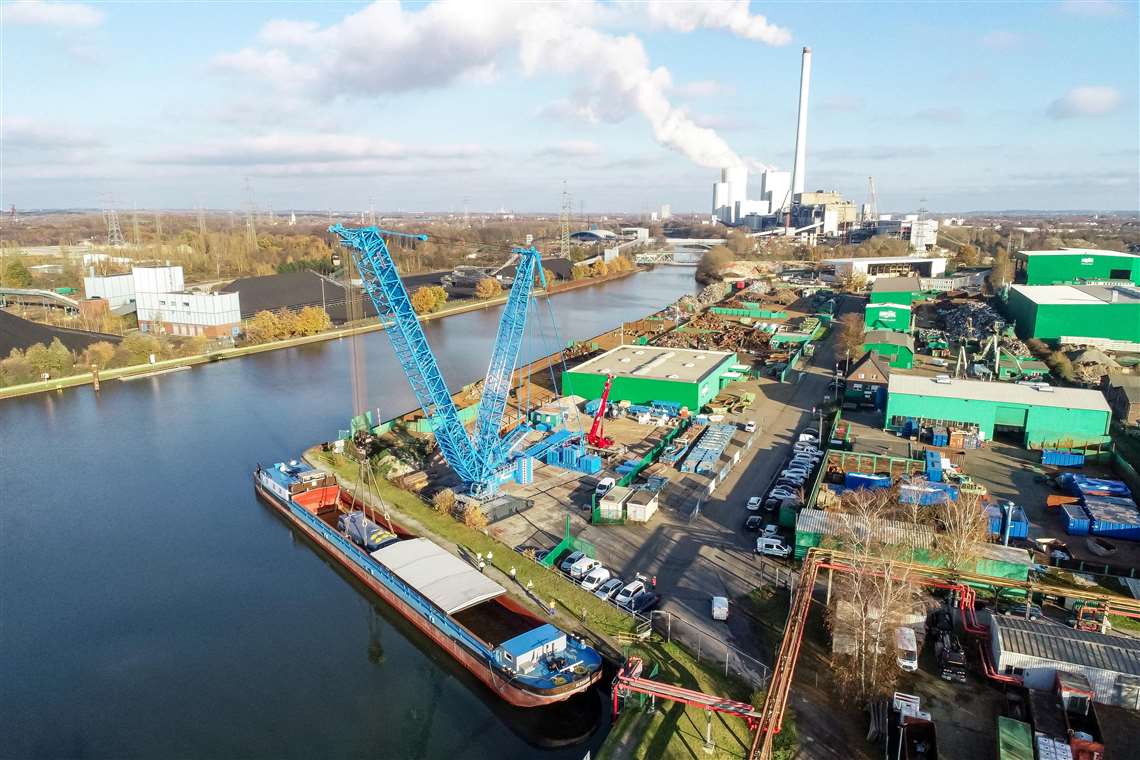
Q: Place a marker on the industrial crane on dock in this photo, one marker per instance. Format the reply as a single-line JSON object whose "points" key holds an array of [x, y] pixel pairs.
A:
{"points": [[597, 435], [478, 462]]}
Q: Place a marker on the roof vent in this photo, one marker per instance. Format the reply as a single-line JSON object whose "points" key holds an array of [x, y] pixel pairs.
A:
{"points": [[688, 364], [638, 352], [625, 360], [672, 377]]}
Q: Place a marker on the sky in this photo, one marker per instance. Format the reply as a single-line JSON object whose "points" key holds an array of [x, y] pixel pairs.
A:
{"points": [[460, 104]]}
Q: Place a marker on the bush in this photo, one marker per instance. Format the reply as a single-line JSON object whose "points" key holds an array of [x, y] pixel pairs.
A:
{"points": [[444, 501], [100, 354], [487, 288], [714, 260], [474, 518], [424, 300]]}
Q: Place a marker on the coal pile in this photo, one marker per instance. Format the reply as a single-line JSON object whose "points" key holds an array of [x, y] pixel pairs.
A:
{"points": [[16, 332]]}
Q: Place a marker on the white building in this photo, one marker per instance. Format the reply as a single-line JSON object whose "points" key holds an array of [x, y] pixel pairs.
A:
{"points": [[776, 188], [889, 266], [163, 305], [720, 207], [666, 211]]}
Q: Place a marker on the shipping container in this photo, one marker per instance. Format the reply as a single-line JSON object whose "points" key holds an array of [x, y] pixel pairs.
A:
{"points": [[1062, 458], [1113, 520], [856, 480]]}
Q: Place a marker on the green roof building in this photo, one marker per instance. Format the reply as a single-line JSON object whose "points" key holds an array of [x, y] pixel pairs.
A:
{"points": [[896, 347], [1070, 266], [887, 316], [1036, 414], [652, 373], [897, 290], [1066, 312]]}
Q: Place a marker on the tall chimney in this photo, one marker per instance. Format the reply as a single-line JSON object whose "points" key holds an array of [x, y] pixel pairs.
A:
{"points": [[801, 126]]}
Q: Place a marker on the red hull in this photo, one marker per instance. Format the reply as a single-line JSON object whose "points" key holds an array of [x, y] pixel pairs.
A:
{"points": [[502, 687]]}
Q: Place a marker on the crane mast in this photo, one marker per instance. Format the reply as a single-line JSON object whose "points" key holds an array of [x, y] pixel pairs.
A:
{"points": [[476, 462]]}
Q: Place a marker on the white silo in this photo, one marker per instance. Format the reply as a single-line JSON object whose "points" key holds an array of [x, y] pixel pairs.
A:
{"points": [[736, 178], [775, 188], [720, 207]]}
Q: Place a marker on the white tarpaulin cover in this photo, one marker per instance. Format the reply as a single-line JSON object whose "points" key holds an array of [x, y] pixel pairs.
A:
{"points": [[449, 582]]}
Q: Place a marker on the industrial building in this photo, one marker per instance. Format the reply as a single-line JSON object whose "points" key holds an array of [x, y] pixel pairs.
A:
{"points": [[1123, 394], [1037, 651], [887, 316], [896, 347], [889, 266], [905, 290], [1035, 412], [643, 374], [593, 236], [1070, 266], [867, 382], [1069, 313], [159, 297]]}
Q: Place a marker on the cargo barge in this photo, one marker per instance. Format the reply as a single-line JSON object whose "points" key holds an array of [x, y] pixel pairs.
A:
{"points": [[526, 661]]}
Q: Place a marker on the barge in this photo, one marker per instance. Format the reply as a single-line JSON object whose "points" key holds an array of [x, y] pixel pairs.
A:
{"points": [[523, 659]]}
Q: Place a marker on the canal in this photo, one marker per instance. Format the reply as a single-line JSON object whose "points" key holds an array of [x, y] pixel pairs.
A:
{"points": [[151, 606]]}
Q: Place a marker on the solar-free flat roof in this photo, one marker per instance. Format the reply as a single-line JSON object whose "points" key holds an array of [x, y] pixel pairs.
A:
{"points": [[1078, 295], [1002, 393], [1053, 641], [896, 285], [1075, 252], [654, 362], [886, 259], [449, 582], [531, 640]]}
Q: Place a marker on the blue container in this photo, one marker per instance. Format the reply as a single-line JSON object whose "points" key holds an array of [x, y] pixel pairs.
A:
{"points": [[856, 480], [1076, 519], [1062, 458]]}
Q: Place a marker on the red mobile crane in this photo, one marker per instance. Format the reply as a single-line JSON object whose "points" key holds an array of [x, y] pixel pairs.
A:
{"points": [[597, 437]]}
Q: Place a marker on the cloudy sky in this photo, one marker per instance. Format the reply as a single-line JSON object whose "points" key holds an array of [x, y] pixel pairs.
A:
{"points": [[955, 106]]}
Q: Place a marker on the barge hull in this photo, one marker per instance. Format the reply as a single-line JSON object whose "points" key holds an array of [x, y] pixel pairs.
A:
{"points": [[480, 669]]}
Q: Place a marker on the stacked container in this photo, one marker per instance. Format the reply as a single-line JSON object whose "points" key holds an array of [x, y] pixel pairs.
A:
{"points": [[1076, 519]]}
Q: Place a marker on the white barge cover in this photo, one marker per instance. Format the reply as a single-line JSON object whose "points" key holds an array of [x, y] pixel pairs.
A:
{"points": [[449, 582]]}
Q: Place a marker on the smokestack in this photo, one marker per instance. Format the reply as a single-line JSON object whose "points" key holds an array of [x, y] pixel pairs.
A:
{"points": [[801, 125]]}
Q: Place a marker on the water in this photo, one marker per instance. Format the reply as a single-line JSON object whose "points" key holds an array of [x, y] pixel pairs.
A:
{"points": [[153, 607]]}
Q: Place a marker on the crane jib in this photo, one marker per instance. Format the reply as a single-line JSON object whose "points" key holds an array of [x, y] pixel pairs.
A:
{"points": [[475, 462]]}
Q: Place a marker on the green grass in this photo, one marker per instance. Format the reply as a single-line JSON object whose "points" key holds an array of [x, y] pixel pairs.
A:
{"points": [[547, 584]]}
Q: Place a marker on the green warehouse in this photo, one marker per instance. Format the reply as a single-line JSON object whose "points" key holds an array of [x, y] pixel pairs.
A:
{"points": [[887, 316], [896, 347], [1065, 313], [1037, 414], [651, 373], [1070, 266], [896, 290]]}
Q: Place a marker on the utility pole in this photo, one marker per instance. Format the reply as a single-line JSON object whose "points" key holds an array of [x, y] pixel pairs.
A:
{"points": [[250, 211], [158, 230]]}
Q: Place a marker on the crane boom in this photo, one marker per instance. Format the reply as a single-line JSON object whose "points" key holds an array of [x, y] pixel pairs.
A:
{"points": [[508, 342], [383, 284], [597, 436]]}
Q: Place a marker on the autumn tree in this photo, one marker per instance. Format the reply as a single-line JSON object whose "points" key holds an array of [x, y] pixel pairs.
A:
{"points": [[443, 501], [16, 275], [713, 260], [286, 324], [1002, 271], [312, 320], [487, 288], [853, 282], [440, 294], [967, 256], [264, 327], [99, 353], [15, 369], [849, 336], [473, 517], [136, 349], [424, 300]]}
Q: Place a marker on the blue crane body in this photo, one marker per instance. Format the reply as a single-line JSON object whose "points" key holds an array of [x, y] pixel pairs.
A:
{"points": [[477, 463]]}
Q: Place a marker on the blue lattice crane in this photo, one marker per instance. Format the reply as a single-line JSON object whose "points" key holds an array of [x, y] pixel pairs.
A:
{"points": [[478, 462]]}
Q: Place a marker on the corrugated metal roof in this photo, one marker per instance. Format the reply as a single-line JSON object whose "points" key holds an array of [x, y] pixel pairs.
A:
{"points": [[889, 338], [449, 582], [888, 531], [1053, 641], [1001, 393]]}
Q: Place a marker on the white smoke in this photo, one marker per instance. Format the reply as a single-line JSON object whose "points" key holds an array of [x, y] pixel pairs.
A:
{"points": [[385, 48]]}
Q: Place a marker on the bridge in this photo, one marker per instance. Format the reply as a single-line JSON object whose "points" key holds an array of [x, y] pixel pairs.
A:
{"points": [[37, 297]]}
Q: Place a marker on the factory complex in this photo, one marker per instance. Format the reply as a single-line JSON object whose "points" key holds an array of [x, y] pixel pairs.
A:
{"points": [[1070, 266], [1074, 313]]}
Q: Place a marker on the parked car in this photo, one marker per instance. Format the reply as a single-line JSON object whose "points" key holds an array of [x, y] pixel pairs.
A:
{"points": [[750, 426], [630, 590], [784, 492], [771, 531], [571, 558], [583, 567], [772, 503], [719, 608], [772, 547], [906, 649], [643, 601], [609, 588], [595, 578], [811, 435], [754, 523], [604, 486], [1018, 609], [753, 504]]}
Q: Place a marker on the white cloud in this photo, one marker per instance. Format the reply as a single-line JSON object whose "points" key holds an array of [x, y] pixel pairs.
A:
{"points": [[950, 115], [40, 13], [724, 123], [567, 110], [22, 133], [571, 149], [1090, 7], [1093, 100], [1002, 40], [728, 15], [703, 88], [386, 48], [842, 104]]}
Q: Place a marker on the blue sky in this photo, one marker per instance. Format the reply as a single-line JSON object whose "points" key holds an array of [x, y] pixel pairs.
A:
{"points": [[954, 106]]}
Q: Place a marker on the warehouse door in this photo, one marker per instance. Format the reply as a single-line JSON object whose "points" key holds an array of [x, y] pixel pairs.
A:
{"points": [[1009, 423]]}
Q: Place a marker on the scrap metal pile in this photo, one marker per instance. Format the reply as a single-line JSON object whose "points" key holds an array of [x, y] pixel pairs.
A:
{"points": [[712, 332], [973, 322]]}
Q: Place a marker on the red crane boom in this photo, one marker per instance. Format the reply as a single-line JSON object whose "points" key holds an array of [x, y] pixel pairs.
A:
{"points": [[596, 437]]}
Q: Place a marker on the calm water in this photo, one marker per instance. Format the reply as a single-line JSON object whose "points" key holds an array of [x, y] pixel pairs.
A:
{"points": [[153, 607]]}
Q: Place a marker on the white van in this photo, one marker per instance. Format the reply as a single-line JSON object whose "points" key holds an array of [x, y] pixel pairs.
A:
{"points": [[906, 649], [720, 608], [773, 546], [582, 567]]}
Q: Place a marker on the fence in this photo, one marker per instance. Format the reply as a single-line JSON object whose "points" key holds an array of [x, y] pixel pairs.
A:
{"points": [[709, 649]]}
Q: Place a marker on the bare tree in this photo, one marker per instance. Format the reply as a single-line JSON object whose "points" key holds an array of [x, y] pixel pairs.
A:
{"points": [[962, 524], [849, 336]]}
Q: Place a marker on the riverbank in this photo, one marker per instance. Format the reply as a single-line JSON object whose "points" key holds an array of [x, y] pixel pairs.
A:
{"points": [[73, 381]]}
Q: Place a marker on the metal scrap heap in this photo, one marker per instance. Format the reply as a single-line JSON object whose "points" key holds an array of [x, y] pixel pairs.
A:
{"points": [[712, 332], [973, 322]]}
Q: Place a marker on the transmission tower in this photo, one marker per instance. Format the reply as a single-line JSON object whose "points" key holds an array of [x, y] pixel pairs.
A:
{"points": [[564, 222], [202, 222], [111, 219], [158, 230], [872, 200], [250, 212], [135, 226]]}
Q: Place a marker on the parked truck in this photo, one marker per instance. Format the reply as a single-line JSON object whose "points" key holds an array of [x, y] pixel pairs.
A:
{"points": [[951, 657]]}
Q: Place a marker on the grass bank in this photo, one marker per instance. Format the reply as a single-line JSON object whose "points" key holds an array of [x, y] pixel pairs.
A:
{"points": [[72, 381]]}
